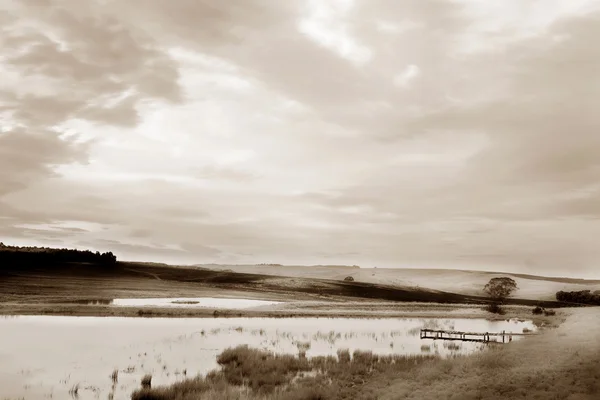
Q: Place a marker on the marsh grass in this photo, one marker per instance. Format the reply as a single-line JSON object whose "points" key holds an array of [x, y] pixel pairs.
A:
{"points": [[147, 381], [452, 346], [74, 391], [247, 373]]}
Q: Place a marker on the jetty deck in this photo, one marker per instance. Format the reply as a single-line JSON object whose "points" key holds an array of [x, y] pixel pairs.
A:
{"points": [[485, 337]]}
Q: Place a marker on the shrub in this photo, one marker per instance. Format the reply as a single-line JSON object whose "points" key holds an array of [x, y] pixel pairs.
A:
{"points": [[549, 312], [494, 308], [537, 310], [349, 279]]}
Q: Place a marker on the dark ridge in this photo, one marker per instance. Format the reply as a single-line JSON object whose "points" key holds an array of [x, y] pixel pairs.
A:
{"points": [[31, 257]]}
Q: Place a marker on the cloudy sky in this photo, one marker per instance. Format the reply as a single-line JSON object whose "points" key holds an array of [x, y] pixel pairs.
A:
{"points": [[389, 133]]}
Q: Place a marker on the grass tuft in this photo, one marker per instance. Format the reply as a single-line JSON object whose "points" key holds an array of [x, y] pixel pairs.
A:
{"points": [[263, 375], [147, 381]]}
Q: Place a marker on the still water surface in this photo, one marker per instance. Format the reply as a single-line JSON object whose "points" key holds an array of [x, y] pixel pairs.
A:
{"points": [[43, 356], [182, 302], [204, 302]]}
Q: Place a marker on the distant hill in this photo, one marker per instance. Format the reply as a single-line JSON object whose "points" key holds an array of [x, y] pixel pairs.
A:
{"points": [[213, 265], [466, 282]]}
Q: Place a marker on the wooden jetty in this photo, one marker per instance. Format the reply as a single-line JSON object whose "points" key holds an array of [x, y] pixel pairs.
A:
{"points": [[484, 337]]}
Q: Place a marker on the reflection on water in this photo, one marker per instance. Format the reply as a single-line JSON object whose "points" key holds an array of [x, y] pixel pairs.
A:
{"points": [[91, 302], [43, 356]]}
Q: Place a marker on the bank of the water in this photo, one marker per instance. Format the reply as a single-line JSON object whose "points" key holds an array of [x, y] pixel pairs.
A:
{"points": [[292, 309]]}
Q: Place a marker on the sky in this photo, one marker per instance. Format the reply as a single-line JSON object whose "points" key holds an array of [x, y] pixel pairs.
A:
{"points": [[411, 133]]}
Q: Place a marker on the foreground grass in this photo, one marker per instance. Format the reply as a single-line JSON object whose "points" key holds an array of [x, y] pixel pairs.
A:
{"points": [[561, 363], [255, 374]]}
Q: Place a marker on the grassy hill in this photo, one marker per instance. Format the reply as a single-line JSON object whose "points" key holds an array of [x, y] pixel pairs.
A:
{"points": [[463, 282]]}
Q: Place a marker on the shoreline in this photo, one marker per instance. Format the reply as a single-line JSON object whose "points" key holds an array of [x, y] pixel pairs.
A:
{"points": [[289, 310]]}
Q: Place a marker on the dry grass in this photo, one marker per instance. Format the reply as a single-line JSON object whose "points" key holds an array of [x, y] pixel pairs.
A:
{"points": [[563, 363], [254, 374], [114, 377]]}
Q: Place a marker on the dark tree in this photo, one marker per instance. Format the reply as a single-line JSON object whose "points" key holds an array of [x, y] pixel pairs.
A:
{"points": [[580, 297], [500, 288], [45, 256]]}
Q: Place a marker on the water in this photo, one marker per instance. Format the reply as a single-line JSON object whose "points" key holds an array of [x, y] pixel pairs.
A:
{"points": [[183, 302], [187, 302], [43, 356]]}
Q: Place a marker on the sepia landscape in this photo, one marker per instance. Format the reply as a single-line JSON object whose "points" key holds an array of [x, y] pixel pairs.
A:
{"points": [[289, 332], [299, 200]]}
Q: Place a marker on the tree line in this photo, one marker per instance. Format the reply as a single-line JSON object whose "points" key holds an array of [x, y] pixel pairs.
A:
{"points": [[581, 296], [17, 255]]}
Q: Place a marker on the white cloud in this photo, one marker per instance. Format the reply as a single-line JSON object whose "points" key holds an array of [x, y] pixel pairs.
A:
{"points": [[396, 27], [498, 24], [407, 75], [327, 25]]}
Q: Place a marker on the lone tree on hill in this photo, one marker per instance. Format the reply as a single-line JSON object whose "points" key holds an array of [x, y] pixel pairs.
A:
{"points": [[500, 288]]}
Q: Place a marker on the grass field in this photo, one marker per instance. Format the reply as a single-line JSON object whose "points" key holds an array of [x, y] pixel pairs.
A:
{"points": [[61, 290]]}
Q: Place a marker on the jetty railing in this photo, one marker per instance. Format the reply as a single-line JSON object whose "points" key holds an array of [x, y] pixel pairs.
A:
{"points": [[485, 337]]}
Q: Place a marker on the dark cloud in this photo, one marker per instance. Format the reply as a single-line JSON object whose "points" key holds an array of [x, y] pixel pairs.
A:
{"points": [[82, 60], [27, 155]]}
